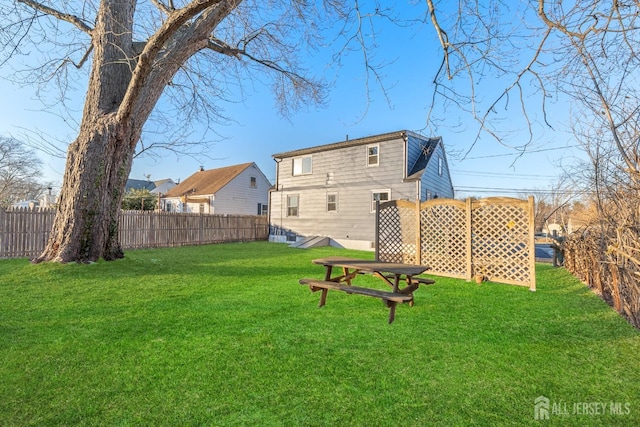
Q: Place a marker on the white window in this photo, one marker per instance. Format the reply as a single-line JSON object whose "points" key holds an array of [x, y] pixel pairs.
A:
{"points": [[440, 165], [292, 205], [201, 208], [302, 165], [373, 158], [332, 202], [381, 196], [252, 182]]}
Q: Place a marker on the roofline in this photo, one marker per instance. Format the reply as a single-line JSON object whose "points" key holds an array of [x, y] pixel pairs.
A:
{"points": [[261, 173], [349, 143], [187, 195], [246, 165]]}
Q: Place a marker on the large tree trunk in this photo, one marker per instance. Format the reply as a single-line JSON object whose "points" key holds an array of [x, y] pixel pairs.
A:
{"points": [[99, 160], [86, 224]]}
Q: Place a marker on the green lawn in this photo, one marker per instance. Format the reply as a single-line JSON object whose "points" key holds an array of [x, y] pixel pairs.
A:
{"points": [[225, 335]]}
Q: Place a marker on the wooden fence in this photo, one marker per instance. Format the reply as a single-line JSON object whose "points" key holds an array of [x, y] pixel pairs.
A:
{"points": [[24, 232], [489, 238], [609, 265]]}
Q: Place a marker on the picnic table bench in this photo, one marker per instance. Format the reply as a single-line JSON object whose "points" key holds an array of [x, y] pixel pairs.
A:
{"points": [[393, 274]]}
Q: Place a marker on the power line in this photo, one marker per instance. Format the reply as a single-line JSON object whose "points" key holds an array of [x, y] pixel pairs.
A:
{"points": [[501, 175], [502, 190], [520, 153]]}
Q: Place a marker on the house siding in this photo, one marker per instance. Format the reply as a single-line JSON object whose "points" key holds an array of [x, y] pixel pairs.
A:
{"points": [[434, 183], [343, 172], [346, 166], [189, 207], [342, 169], [238, 197]]}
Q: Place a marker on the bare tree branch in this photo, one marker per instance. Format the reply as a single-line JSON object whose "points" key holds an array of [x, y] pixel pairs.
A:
{"points": [[167, 9], [72, 19], [443, 37]]}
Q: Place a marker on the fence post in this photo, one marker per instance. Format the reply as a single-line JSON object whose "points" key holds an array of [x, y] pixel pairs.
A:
{"points": [[6, 234], [3, 233], [532, 245], [468, 211], [201, 229]]}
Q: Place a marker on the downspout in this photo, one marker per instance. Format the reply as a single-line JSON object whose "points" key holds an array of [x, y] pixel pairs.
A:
{"points": [[270, 195], [405, 155], [277, 170]]}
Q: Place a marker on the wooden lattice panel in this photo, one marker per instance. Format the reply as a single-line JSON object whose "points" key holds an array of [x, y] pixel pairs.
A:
{"points": [[499, 242], [490, 237], [443, 242], [397, 232]]}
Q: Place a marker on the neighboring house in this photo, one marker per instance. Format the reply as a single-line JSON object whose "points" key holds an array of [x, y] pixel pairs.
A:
{"points": [[331, 190], [240, 189], [163, 186], [47, 201]]}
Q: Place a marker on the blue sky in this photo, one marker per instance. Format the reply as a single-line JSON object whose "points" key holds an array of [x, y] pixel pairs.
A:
{"points": [[258, 132]]}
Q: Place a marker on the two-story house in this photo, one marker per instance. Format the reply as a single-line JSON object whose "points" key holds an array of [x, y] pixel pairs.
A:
{"points": [[331, 190], [240, 190]]}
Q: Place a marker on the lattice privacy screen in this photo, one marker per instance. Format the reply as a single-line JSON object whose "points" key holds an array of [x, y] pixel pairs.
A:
{"points": [[398, 232], [490, 237], [443, 241]]}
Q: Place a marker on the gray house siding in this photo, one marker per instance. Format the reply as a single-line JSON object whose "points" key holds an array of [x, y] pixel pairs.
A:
{"points": [[239, 198], [435, 181], [352, 221], [341, 170], [345, 166]]}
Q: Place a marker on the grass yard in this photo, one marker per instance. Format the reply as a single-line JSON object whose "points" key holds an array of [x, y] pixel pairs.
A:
{"points": [[225, 335]]}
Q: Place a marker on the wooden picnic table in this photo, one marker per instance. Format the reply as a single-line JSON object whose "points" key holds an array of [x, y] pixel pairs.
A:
{"points": [[391, 273]]}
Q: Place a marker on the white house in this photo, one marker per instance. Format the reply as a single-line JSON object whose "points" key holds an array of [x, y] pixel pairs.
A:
{"points": [[241, 190], [163, 186], [331, 190]]}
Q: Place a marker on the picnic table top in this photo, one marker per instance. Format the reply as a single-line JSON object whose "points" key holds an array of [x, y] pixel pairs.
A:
{"points": [[372, 266]]}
